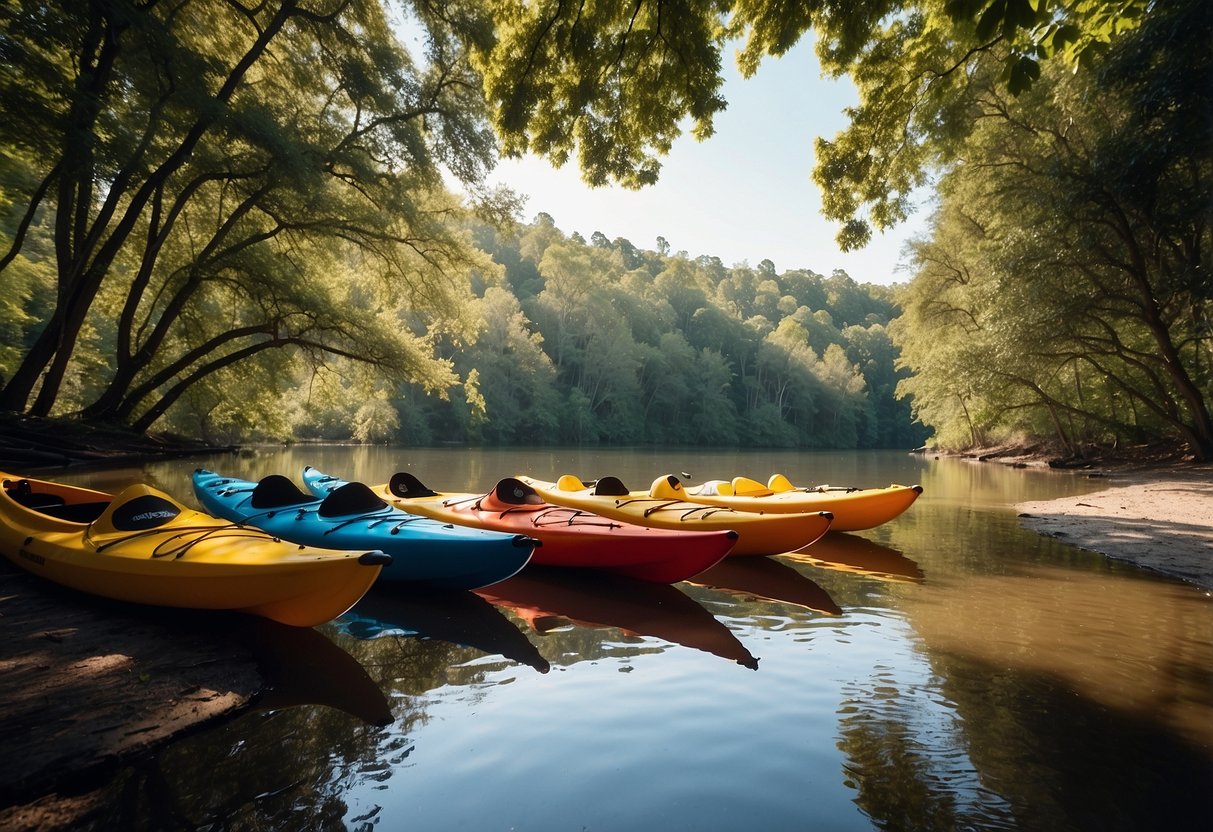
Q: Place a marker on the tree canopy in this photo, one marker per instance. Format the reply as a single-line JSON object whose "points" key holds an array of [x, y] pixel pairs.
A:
{"points": [[195, 184], [1067, 288], [205, 196], [613, 84]]}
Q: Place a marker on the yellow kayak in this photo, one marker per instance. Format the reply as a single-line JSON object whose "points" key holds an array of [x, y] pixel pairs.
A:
{"points": [[665, 506], [143, 546], [854, 509]]}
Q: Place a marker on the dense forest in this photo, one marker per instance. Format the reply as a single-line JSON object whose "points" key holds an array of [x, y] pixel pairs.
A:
{"points": [[602, 342], [273, 220]]}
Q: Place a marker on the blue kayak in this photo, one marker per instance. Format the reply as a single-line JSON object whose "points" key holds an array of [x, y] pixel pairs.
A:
{"points": [[423, 550]]}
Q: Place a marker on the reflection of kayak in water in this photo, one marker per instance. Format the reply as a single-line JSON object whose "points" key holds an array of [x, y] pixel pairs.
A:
{"points": [[460, 618], [770, 579], [303, 667], [605, 600], [850, 553]]}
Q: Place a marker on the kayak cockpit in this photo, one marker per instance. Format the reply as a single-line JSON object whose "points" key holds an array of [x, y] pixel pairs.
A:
{"points": [[54, 505]]}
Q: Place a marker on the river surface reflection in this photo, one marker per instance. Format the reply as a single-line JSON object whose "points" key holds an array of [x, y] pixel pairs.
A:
{"points": [[947, 670]]}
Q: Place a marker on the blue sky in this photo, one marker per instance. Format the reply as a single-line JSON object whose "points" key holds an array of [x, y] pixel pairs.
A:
{"points": [[743, 195]]}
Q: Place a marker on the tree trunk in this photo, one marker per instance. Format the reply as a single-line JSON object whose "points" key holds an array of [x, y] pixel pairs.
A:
{"points": [[85, 251]]}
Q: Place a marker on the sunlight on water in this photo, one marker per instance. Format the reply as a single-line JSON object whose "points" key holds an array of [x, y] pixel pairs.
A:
{"points": [[672, 738], [947, 670]]}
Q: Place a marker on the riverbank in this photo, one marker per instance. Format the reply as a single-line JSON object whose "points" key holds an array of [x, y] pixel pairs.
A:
{"points": [[30, 444], [1157, 511], [1160, 520]]}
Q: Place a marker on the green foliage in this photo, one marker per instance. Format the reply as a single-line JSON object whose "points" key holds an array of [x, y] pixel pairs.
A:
{"points": [[375, 421], [1083, 317], [662, 354], [29, 279], [208, 182], [209, 196], [515, 376], [614, 84], [563, 80], [920, 75]]}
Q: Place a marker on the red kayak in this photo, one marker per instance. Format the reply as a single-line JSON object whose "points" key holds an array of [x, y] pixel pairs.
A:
{"points": [[570, 537]]}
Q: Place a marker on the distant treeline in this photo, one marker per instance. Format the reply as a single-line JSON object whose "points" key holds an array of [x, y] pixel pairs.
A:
{"points": [[603, 342]]}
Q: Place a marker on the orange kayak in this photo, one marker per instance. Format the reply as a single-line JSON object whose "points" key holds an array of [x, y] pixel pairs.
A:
{"points": [[854, 509]]}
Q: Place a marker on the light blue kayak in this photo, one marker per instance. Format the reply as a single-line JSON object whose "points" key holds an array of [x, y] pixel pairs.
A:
{"points": [[423, 551]]}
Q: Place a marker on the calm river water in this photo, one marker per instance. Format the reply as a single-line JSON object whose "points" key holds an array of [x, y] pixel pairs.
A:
{"points": [[948, 670]]}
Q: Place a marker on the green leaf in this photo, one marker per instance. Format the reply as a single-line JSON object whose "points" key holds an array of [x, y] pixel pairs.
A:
{"points": [[1024, 72], [991, 19]]}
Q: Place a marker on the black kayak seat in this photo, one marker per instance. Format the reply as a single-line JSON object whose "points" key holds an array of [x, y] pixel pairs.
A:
{"points": [[516, 492], [22, 492], [610, 487], [54, 505], [276, 491], [76, 512], [351, 498], [147, 511], [405, 485]]}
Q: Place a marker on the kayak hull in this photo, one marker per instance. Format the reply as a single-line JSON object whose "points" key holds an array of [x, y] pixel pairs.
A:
{"points": [[758, 533], [854, 509], [570, 538], [192, 560], [422, 550]]}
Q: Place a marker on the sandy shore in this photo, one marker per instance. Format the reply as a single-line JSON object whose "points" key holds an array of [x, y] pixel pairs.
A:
{"points": [[1161, 521]]}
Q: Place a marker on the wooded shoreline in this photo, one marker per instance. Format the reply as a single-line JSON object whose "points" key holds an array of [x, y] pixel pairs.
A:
{"points": [[29, 443]]}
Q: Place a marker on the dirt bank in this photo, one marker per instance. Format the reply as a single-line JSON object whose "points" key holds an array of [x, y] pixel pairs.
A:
{"points": [[1158, 519], [28, 443], [85, 683]]}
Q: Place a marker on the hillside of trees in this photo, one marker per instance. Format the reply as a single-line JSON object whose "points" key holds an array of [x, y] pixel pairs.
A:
{"points": [[602, 342]]}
